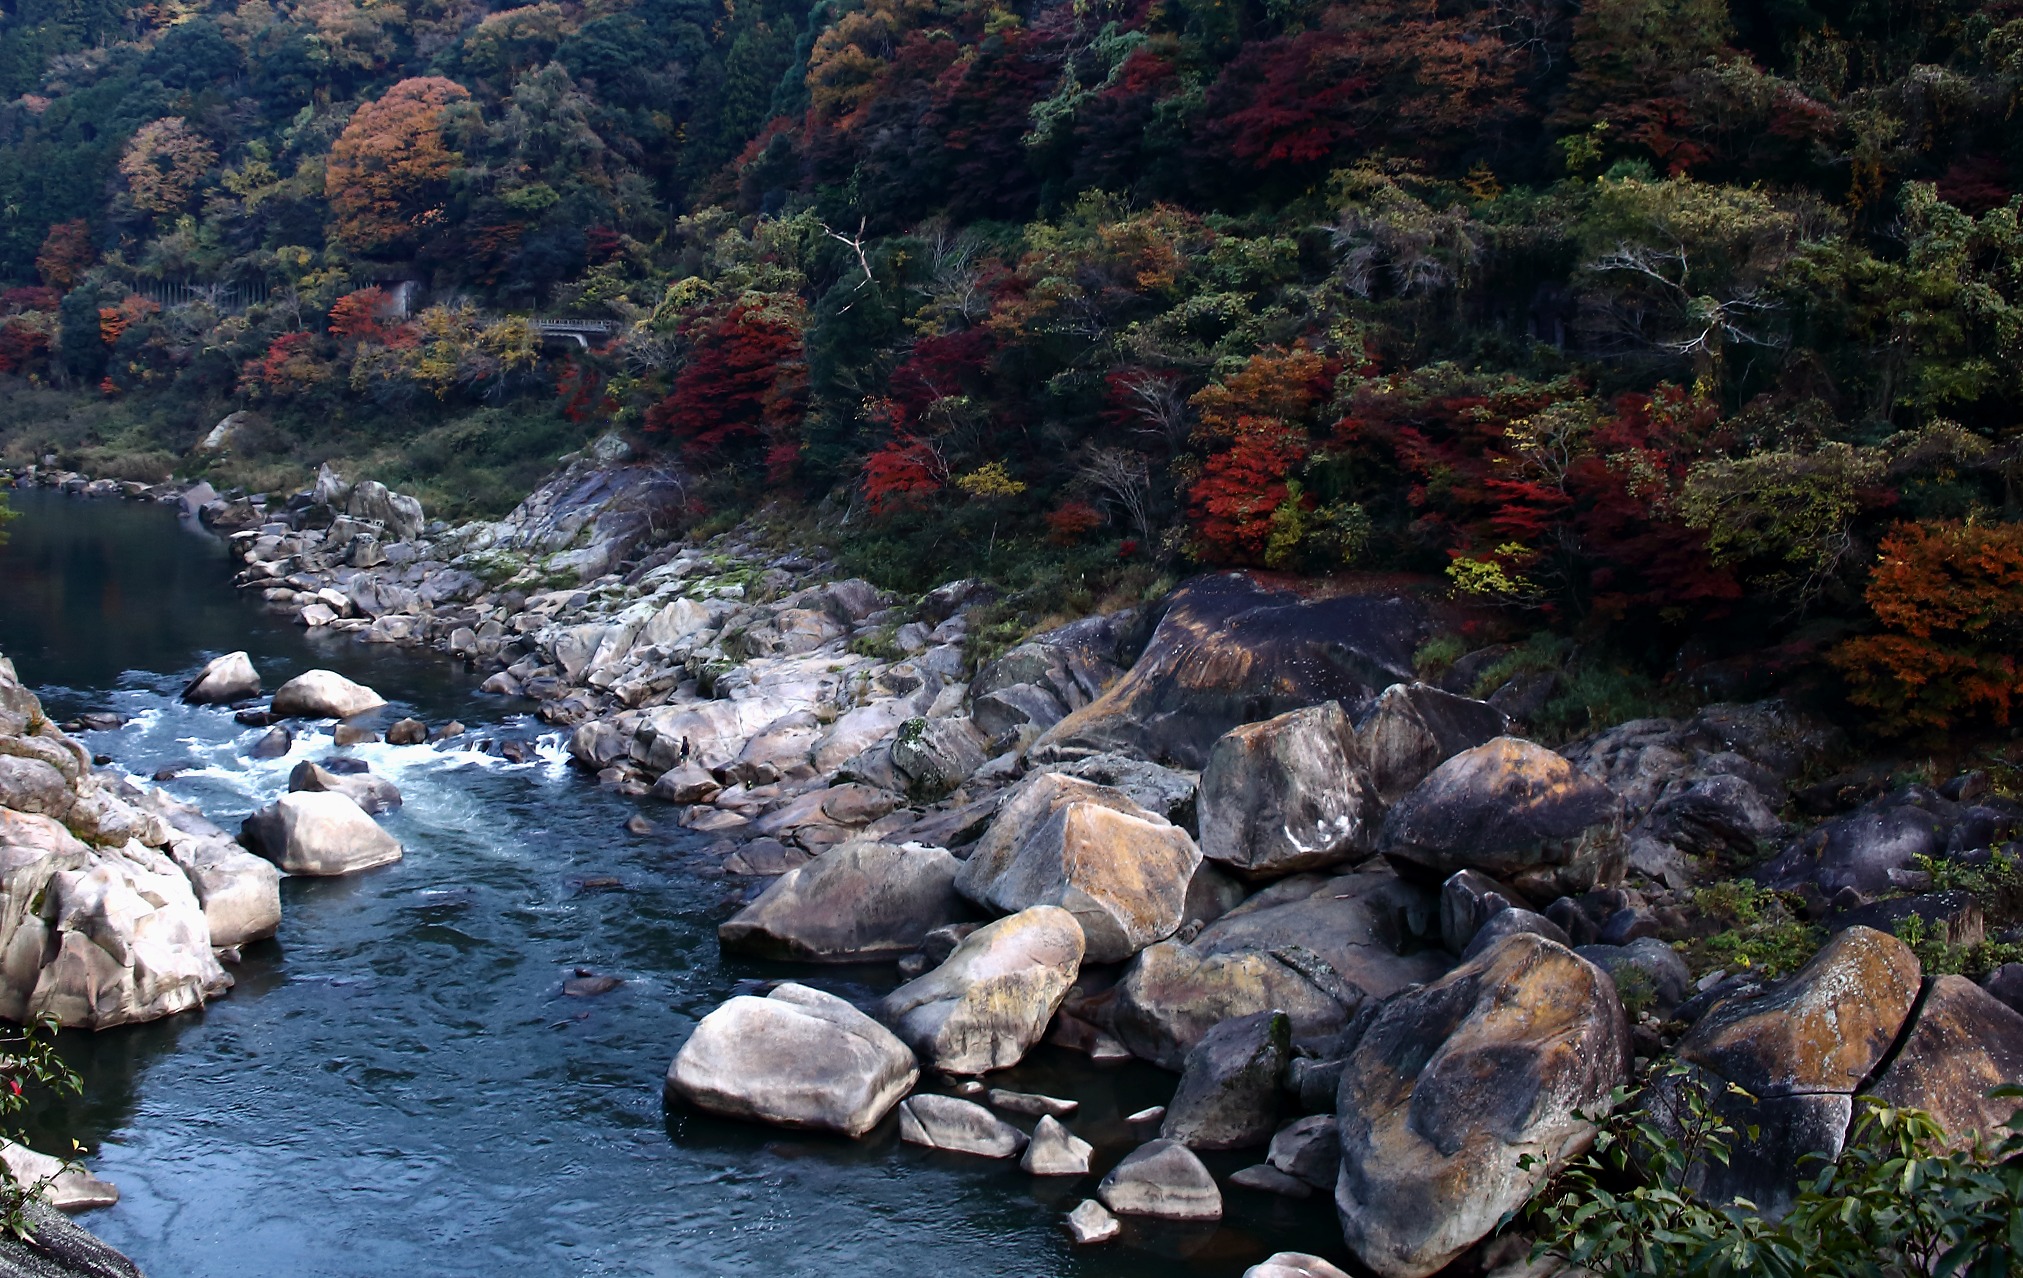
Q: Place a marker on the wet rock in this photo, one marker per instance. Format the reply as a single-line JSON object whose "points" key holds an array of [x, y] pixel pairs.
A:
{"points": [[1121, 871], [319, 834], [1270, 1180], [407, 732], [958, 1126], [1089, 1224], [274, 744], [588, 984], [796, 1058], [373, 794], [1161, 1178], [1032, 1103], [239, 893], [348, 734], [1288, 794], [1450, 1090], [1228, 1093], [224, 679], [1309, 1148], [57, 1248], [1228, 651], [1801, 1048], [66, 1189], [323, 694], [1964, 1043], [1414, 728], [1514, 810], [986, 1006], [115, 935], [1293, 1264], [253, 716], [1055, 1151], [854, 903]]}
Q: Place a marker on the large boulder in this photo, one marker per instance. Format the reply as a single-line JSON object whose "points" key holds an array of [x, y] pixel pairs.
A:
{"points": [[374, 794], [323, 694], [854, 903], [1161, 1178], [400, 515], [1162, 791], [958, 1126], [97, 936], [1868, 850], [1121, 871], [1515, 810], [1172, 995], [795, 1058], [227, 678], [319, 834], [1414, 728], [991, 999], [1800, 1050], [1288, 794], [1228, 1093], [1458, 1098], [64, 1187], [240, 893], [1230, 651], [1964, 1043], [936, 755]]}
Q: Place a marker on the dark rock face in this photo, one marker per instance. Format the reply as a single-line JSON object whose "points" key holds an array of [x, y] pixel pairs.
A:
{"points": [[1288, 794], [60, 1249], [1648, 965], [855, 902], [1864, 850], [1802, 1048], [1229, 651], [1515, 810], [1414, 728], [1964, 1043], [1447, 1089], [1228, 1094]]}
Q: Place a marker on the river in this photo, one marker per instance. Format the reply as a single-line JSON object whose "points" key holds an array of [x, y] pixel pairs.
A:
{"points": [[398, 1085]]}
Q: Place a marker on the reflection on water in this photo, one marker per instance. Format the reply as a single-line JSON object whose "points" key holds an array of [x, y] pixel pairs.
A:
{"points": [[398, 1084]]}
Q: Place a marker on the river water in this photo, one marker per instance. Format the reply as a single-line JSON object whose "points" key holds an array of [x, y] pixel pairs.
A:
{"points": [[398, 1085]]}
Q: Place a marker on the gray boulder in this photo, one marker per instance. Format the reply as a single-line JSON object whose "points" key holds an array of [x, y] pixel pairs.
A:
{"points": [[1509, 923], [1964, 1043], [227, 678], [795, 1058], [958, 1126], [856, 902], [1228, 1093], [1413, 728], [318, 834], [1467, 900], [936, 755], [323, 694], [1515, 810], [1288, 794], [1458, 1098], [1294, 1264], [1055, 1151], [1310, 1149], [1646, 971], [373, 794], [1161, 1178], [991, 1000], [1164, 792]]}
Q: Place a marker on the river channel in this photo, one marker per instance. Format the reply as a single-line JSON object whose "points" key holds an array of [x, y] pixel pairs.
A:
{"points": [[398, 1084]]}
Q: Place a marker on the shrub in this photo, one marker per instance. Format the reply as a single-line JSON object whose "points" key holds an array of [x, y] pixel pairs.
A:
{"points": [[28, 1061], [1950, 598]]}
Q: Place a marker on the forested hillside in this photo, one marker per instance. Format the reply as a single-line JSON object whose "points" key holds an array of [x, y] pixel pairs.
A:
{"points": [[1648, 320]]}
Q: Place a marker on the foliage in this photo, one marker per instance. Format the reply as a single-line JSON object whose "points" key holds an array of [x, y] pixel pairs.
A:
{"points": [[1763, 935], [28, 1062], [1949, 596], [389, 168], [1900, 1199]]}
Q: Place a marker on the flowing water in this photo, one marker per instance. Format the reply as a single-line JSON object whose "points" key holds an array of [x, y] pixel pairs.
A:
{"points": [[398, 1085]]}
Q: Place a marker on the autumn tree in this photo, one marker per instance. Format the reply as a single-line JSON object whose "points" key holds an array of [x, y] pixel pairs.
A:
{"points": [[744, 384], [164, 164], [390, 168], [66, 254]]}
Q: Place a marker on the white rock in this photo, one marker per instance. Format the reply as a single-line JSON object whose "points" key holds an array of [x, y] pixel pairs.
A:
{"points": [[1294, 1264], [1089, 1223], [72, 1189], [319, 833], [1056, 1151], [323, 694], [1162, 1178], [227, 678], [957, 1125], [991, 1000]]}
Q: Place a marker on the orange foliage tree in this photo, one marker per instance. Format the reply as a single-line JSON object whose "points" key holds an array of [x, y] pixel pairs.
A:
{"points": [[66, 254], [1256, 422], [1950, 598], [389, 168], [164, 164]]}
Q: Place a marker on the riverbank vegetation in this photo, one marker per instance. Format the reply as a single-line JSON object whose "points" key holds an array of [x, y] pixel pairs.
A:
{"points": [[1687, 332]]}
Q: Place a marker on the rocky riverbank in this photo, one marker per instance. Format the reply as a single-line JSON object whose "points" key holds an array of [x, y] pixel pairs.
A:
{"points": [[1386, 941]]}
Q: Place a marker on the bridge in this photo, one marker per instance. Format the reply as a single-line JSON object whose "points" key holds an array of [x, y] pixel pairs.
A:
{"points": [[585, 333]]}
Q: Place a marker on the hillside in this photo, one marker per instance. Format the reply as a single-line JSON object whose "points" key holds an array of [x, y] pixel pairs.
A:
{"points": [[1685, 331]]}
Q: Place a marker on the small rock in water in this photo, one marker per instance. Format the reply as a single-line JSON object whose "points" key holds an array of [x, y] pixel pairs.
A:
{"points": [[1155, 1114], [100, 760], [1271, 1180], [912, 966], [959, 1126], [514, 751], [407, 732], [1032, 1103], [603, 883], [966, 1087], [345, 734], [1056, 1151], [101, 721], [1294, 1264], [588, 984], [453, 728], [637, 824], [276, 743], [345, 766], [258, 717], [169, 773], [1162, 1178], [1089, 1223]]}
